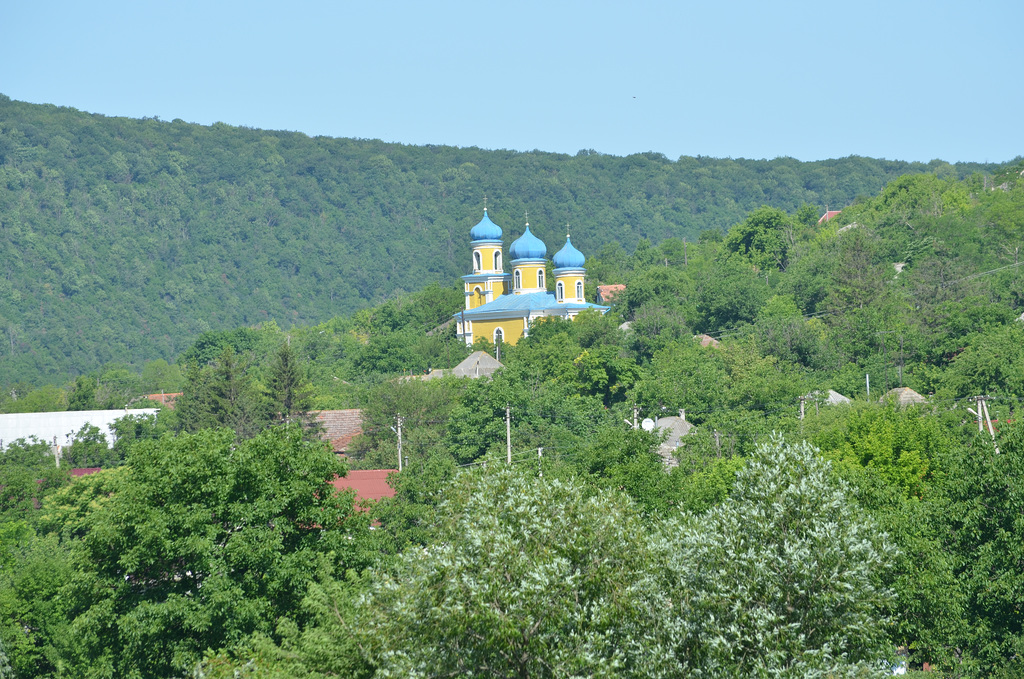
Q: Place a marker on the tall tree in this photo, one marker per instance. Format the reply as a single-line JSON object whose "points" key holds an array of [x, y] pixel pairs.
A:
{"points": [[204, 541]]}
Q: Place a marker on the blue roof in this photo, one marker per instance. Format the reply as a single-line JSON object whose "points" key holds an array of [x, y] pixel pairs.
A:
{"points": [[534, 301], [527, 246], [485, 230], [568, 257]]}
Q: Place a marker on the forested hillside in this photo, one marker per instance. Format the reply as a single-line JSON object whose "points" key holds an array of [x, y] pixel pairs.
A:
{"points": [[122, 240], [535, 530]]}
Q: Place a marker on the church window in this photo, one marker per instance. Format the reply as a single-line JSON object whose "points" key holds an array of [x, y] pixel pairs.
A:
{"points": [[540, 278], [560, 291], [477, 261], [518, 279], [579, 289], [497, 261]]}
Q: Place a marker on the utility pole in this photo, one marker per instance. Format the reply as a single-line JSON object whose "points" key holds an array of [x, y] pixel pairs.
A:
{"points": [[718, 444], [867, 379], [984, 418], [901, 361], [400, 420], [636, 411], [685, 262], [508, 433], [540, 454]]}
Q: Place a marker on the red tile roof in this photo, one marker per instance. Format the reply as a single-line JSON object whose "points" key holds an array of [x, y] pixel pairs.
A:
{"points": [[607, 293], [85, 471], [165, 399], [828, 215], [340, 427], [369, 484]]}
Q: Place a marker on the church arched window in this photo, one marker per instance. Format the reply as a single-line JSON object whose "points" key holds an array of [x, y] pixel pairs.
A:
{"points": [[579, 289], [499, 335], [497, 261], [478, 262], [540, 278], [559, 291], [518, 279]]}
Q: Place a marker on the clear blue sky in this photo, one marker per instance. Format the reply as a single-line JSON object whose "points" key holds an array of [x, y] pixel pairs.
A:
{"points": [[912, 80]]}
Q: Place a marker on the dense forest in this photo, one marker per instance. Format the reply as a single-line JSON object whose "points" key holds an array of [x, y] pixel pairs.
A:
{"points": [[785, 536], [123, 240]]}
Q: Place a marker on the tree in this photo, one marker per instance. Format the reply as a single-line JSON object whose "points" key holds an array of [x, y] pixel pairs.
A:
{"points": [[223, 394], [782, 578], [983, 526], [28, 473], [206, 540], [291, 394], [764, 238], [531, 577]]}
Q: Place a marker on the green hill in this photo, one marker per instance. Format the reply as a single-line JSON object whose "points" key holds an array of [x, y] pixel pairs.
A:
{"points": [[122, 240]]}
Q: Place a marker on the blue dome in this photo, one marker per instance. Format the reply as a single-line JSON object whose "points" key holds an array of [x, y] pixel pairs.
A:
{"points": [[527, 246], [569, 257], [485, 230]]}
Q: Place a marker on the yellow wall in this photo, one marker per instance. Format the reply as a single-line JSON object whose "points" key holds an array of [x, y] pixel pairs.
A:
{"points": [[487, 254], [475, 299], [529, 274], [512, 327], [569, 281]]}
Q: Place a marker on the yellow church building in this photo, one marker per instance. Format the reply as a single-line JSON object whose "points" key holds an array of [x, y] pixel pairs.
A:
{"points": [[501, 306]]}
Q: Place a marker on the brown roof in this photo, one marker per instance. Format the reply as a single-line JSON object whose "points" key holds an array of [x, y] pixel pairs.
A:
{"points": [[903, 396], [607, 293], [85, 471], [340, 427], [369, 484], [164, 399], [706, 340]]}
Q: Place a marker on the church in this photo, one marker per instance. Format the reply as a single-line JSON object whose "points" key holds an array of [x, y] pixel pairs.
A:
{"points": [[500, 306]]}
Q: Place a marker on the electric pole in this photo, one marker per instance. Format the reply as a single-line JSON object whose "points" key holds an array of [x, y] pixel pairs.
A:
{"points": [[508, 433], [400, 420]]}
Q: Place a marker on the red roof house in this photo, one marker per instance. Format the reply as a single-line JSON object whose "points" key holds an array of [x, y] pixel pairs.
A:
{"points": [[164, 399], [828, 215], [369, 484], [340, 427], [608, 293]]}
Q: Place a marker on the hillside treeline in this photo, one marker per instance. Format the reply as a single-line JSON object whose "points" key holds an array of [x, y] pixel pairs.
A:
{"points": [[123, 240]]}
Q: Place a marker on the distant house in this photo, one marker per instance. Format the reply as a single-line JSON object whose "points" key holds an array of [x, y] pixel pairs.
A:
{"points": [[828, 215], [706, 340], [478, 364], [828, 398], [164, 399], [608, 293], [676, 428], [903, 396], [369, 484], [340, 427]]}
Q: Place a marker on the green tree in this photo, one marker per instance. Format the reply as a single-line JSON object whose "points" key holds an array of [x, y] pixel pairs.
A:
{"points": [[531, 577], [982, 525], [784, 578], [291, 394], [205, 541], [764, 238]]}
